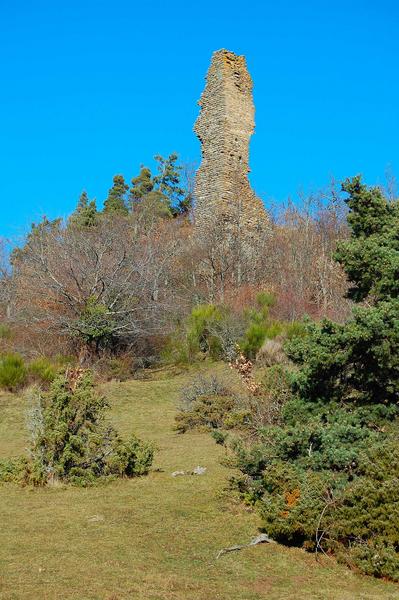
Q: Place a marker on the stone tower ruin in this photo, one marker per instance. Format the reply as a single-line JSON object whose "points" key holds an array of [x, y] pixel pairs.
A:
{"points": [[224, 127]]}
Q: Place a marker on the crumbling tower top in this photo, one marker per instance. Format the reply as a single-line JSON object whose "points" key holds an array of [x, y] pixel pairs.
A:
{"points": [[224, 127]]}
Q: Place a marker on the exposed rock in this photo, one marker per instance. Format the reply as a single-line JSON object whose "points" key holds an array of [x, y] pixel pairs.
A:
{"points": [[262, 538], [95, 519], [178, 473], [196, 471], [199, 470]]}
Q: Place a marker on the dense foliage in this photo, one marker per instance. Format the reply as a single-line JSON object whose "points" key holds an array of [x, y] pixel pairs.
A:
{"points": [[135, 283], [208, 404], [214, 331], [71, 440], [13, 373], [212, 404], [326, 476], [126, 276], [371, 256]]}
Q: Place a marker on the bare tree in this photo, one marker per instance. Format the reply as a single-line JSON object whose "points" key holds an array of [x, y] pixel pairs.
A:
{"points": [[6, 292], [103, 286], [299, 260]]}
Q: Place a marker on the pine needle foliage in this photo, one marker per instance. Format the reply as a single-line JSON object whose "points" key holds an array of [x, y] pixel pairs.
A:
{"points": [[326, 477], [71, 439]]}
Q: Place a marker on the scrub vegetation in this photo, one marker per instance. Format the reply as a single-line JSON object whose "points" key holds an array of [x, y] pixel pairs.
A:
{"points": [[132, 346]]}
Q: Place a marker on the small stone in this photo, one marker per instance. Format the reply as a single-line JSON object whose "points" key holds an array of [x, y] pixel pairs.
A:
{"points": [[177, 473], [95, 518], [199, 470]]}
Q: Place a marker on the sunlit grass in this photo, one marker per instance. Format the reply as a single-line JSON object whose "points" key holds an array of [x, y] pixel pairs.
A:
{"points": [[155, 537]]}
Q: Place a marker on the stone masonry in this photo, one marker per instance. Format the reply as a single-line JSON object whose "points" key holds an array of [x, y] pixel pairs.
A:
{"points": [[224, 127]]}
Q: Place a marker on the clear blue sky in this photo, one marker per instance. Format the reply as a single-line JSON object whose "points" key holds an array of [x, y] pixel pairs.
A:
{"points": [[90, 89]]}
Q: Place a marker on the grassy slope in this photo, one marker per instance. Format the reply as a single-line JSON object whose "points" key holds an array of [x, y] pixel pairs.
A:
{"points": [[151, 538]]}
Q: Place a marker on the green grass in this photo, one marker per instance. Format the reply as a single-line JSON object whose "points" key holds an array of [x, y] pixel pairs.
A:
{"points": [[155, 537]]}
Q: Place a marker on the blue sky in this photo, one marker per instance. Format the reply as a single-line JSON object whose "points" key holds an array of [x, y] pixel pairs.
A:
{"points": [[91, 89]]}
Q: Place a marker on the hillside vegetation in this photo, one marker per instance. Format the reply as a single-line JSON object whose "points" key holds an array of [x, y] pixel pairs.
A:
{"points": [[155, 537], [306, 424]]}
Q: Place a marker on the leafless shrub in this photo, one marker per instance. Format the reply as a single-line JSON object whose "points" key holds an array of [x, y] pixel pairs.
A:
{"points": [[265, 407], [271, 353], [202, 386], [299, 263], [112, 277]]}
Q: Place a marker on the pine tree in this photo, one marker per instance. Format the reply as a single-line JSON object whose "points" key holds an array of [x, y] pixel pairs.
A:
{"points": [[83, 201], [168, 181], [333, 457], [116, 200], [85, 214], [142, 185], [371, 256], [146, 196], [359, 359], [162, 193]]}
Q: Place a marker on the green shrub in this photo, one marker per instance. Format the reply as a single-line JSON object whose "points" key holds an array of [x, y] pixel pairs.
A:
{"points": [[210, 331], [13, 373], [119, 368], [42, 371], [13, 470], [292, 503], [266, 406], [255, 336], [207, 403], [357, 361], [374, 557], [208, 412], [219, 436], [213, 331], [72, 442], [5, 332], [96, 326], [200, 335], [329, 482], [175, 350], [295, 329], [327, 476], [260, 326]]}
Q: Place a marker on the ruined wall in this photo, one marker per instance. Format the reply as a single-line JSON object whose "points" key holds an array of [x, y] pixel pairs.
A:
{"points": [[224, 127]]}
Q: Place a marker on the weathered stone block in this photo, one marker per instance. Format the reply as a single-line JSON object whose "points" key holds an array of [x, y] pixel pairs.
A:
{"points": [[224, 127]]}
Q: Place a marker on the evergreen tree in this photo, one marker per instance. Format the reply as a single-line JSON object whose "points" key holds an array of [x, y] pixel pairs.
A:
{"points": [[359, 360], [371, 256], [162, 193], [116, 200], [146, 196], [71, 439], [83, 201], [155, 204], [142, 185], [168, 182], [85, 214], [333, 457], [184, 205]]}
